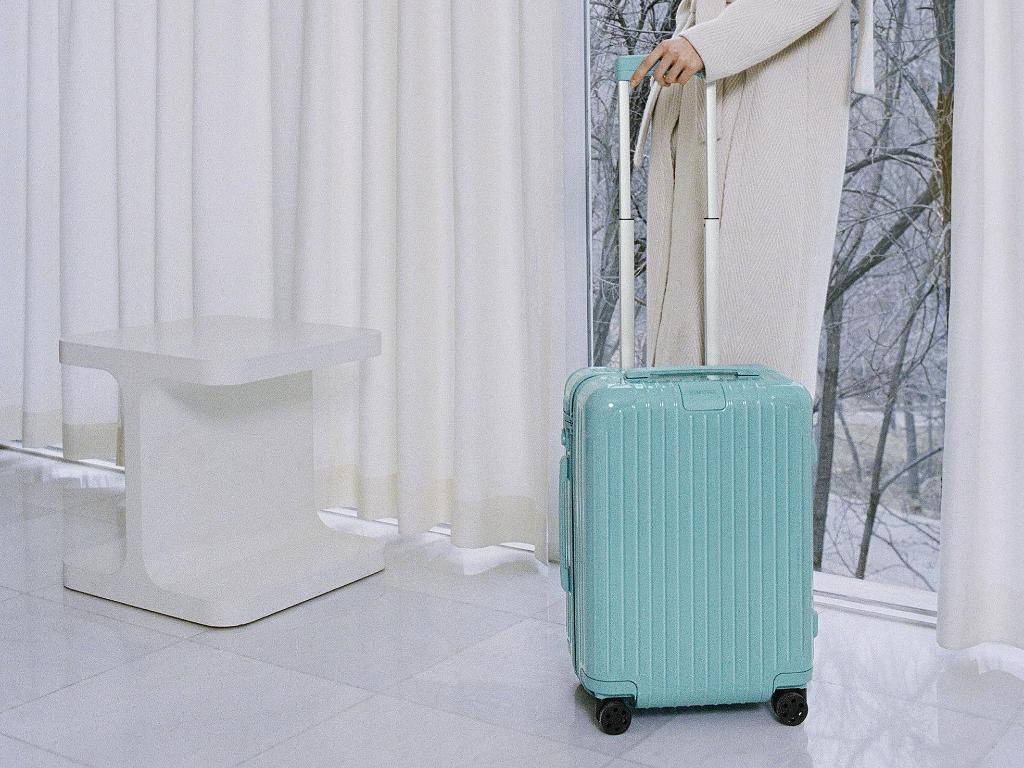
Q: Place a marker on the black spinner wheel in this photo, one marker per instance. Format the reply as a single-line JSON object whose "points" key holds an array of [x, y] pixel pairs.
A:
{"points": [[790, 705], [614, 716]]}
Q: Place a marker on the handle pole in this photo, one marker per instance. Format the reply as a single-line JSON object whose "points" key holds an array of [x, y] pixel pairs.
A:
{"points": [[711, 228], [627, 331], [624, 68]]}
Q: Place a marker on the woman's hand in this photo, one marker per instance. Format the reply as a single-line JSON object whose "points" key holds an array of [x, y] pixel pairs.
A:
{"points": [[677, 59]]}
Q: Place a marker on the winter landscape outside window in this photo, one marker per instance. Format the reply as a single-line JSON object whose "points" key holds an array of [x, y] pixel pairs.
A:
{"points": [[879, 409]]}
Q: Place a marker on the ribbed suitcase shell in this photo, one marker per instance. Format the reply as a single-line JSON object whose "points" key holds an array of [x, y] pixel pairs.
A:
{"points": [[686, 533]]}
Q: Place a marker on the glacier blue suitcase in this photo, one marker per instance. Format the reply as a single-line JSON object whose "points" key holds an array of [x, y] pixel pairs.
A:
{"points": [[686, 521]]}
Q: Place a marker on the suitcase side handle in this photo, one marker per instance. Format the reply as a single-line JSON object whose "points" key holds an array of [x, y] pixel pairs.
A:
{"points": [[564, 523], [691, 372]]}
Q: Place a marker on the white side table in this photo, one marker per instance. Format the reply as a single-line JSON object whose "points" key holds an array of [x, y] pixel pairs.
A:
{"points": [[220, 525]]}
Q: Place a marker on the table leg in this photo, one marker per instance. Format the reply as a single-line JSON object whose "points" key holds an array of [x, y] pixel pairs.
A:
{"points": [[219, 523]]}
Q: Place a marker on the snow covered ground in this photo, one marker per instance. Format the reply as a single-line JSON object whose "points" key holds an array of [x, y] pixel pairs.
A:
{"points": [[904, 549]]}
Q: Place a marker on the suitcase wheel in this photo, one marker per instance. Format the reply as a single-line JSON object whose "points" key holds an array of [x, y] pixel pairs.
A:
{"points": [[614, 716], [790, 705]]}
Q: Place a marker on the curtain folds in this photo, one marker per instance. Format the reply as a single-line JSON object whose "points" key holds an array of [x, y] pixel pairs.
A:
{"points": [[395, 165], [981, 591]]}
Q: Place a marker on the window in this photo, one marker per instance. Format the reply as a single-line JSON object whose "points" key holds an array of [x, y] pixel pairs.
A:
{"points": [[882, 367]]}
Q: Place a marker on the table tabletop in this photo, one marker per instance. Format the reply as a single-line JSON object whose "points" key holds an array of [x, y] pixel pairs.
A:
{"points": [[219, 350]]}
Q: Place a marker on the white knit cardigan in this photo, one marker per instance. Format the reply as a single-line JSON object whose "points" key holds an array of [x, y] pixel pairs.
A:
{"points": [[784, 70]]}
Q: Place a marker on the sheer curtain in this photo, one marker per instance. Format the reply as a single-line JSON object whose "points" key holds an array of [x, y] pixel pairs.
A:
{"points": [[390, 164], [981, 591]]}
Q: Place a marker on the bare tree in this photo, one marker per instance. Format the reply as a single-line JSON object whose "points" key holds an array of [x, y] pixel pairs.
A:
{"points": [[618, 27], [913, 471], [883, 340]]}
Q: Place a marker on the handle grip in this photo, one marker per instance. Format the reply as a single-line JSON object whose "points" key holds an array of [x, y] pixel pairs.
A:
{"points": [[625, 66], [692, 372]]}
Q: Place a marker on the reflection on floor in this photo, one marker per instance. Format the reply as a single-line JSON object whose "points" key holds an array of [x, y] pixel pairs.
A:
{"points": [[448, 658]]}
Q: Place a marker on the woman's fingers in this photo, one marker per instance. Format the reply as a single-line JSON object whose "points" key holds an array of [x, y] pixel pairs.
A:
{"points": [[677, 61], [639, 72], [676, 71], [686, 74], [660, 71]]}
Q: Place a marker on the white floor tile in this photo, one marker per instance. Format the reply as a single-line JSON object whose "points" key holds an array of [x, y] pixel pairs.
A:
{"points": [[187, 705], [844, 728], [502, 578], [858, 652], [962, 685], [911, 735], [389, 733], [13, 507], [554, 613], [469, 646], [29, 487], [367, 634], [1008, 752], [18, 754], [32, 552], [44, 484], [754, 739], [522, 678], [906, 662], [129, 614], [414, 553], [374, 529], [46, 646], [12, 460]]}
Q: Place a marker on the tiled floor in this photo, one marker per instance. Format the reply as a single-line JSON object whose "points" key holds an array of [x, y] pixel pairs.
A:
{"points": [[448, 658]]}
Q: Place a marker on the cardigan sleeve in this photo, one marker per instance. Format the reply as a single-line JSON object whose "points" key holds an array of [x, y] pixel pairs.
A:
{"points": [[749, 31]]}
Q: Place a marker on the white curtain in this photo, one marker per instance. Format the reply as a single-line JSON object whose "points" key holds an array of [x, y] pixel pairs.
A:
{"points": [[981, 594], [385, 163]]}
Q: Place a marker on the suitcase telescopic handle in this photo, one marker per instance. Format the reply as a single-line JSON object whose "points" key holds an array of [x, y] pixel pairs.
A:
{"points": [[625, 66]]}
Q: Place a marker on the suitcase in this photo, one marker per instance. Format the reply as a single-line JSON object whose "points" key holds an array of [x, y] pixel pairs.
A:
{"points": [[685, 516]]}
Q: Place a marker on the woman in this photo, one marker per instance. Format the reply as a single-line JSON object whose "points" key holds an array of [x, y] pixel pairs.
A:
{"points": [[783, 89]]}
